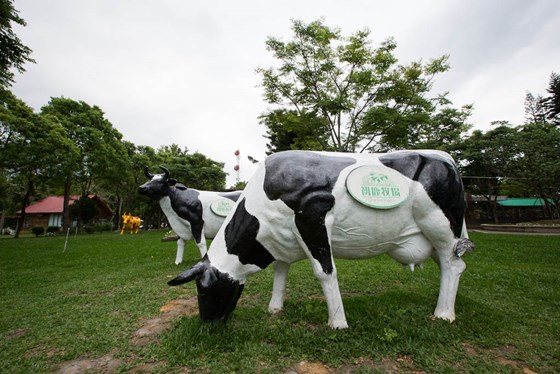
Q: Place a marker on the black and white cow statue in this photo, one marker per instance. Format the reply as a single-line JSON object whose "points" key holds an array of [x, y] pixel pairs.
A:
{"points": [[191, 213], [302, 204]]}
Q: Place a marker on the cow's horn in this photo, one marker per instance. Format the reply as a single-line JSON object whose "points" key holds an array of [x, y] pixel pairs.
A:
{"points": [[165, 170], [148, 174], [188, 275]]}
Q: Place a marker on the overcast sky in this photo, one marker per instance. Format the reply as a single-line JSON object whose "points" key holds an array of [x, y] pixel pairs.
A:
{"points": [[175, 71]]}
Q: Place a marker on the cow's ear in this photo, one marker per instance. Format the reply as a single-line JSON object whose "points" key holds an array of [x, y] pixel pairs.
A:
{"points": [[171, 181], [180, 186], [188, 275]]}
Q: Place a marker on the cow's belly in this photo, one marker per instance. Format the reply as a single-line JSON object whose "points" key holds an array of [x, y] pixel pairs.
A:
{"points": [[362, 232], [181, 227]]}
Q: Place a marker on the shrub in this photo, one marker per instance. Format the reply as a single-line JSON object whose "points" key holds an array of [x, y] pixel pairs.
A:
{"points": [[89, 229], [38, 230], [53, 229], [103, 227]]}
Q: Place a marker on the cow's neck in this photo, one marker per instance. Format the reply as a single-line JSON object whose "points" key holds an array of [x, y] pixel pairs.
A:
{"points": [[228, 263]]}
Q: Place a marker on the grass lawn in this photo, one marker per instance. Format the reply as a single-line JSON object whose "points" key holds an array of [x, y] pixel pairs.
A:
{"points": [[90, 301]]}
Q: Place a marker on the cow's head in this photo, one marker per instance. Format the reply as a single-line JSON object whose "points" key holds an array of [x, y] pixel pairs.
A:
{"points": [[218, 293], [158, 185], [126, 217]]}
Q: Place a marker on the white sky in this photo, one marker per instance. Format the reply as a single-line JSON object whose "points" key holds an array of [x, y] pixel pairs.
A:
{"points": [[176, 71]]}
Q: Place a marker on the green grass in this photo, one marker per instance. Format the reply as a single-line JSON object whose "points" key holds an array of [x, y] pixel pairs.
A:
{"points": [[87, 302]]}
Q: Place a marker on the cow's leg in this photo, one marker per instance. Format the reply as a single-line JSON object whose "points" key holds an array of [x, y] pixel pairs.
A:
{"points": [[276, 303], [180, 251], [313, 224], [202, 246], [435, 226], [451, 268]]}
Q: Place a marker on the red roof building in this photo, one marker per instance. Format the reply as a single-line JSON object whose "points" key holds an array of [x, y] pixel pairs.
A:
{"points": [[48, 211]]}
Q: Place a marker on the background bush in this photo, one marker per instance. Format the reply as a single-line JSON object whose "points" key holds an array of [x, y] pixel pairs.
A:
{"points": [[53, 229], [38, 230]]}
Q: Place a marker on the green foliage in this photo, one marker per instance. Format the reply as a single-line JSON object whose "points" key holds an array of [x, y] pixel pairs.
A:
{"points": [[338, 93], [194, 170], [31, 148], [13, 53], [53, 229], [552, 101], [38, 230], [89, 301], [101, 227], [84, 210]]}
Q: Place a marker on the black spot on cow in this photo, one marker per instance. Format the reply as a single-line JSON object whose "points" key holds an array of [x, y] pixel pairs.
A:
{"points": [[241, 238], [304, 181], [293, 176], [233, 195], [187, 205], [440, 179]]}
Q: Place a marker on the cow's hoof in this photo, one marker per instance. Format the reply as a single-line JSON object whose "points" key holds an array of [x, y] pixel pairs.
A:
{"points": [[449, 317], [340, 325], [274, 310]]}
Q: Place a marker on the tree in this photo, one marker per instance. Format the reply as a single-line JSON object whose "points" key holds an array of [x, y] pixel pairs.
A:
{"points": [[194, 170], [486, 160], [100, 154], [31, 147], [539, 166], [338, 93], [535, 111], [552, 102], [13, 53]]}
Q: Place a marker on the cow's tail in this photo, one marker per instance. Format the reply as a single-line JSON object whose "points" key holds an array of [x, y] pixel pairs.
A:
{"points": [[463, 244], [464, 233]]}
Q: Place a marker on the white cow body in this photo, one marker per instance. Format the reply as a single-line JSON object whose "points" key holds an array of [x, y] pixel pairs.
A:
{"points": [[162, 188], [410, 233]]}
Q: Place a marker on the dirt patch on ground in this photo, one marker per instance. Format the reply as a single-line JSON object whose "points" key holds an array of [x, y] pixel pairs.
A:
{"points": [[386, 365], [500, 355], [105, 364], [143, 336], [152, 328]]}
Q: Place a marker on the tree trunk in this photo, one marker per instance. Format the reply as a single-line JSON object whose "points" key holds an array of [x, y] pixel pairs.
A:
{"points": [[117, 222], [65, 211], [2, 220], [493, 208], [24, 204]]}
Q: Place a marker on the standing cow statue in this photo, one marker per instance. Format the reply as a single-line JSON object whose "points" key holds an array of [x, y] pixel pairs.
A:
{"points": [[192, 214], [319, 206], [131, 223]]}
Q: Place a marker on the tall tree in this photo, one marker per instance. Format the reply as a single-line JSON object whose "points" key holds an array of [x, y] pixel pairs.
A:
{"points": [[13, 53], [539, 166], [339, 93], [486, 159], [100, 152], [552, 101], [31, 147], [535, 111], [193, 169]]}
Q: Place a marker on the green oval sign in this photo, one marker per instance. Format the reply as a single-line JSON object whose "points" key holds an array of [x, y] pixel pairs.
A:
{"points": [[377, 186], [222, 207]]}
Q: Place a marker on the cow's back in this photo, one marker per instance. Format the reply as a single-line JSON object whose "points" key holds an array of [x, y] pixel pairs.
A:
{"points": [[439, 177]]}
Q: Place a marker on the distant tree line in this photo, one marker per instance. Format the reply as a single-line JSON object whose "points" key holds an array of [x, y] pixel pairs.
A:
{"points": [[70, 148]]}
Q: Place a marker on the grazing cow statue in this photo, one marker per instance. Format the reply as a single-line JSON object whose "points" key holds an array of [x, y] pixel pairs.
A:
{"points": [[316, 205], [131, 223], [192, 214]]}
